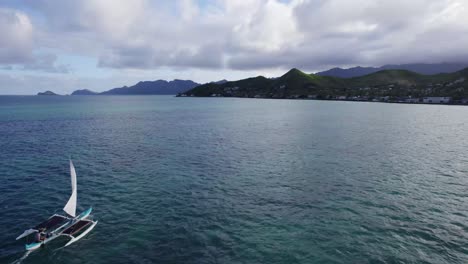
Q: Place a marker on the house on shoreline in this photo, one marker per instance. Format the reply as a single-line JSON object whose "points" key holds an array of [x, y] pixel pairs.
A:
{"points": [[437, 100]]}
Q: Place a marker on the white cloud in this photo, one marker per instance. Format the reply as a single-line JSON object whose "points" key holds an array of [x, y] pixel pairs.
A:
{"points": [[242, 35], [268, 27], [15, 36]]}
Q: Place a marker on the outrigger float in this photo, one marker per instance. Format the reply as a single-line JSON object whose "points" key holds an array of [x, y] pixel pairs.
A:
{"points": [[73, 226]]}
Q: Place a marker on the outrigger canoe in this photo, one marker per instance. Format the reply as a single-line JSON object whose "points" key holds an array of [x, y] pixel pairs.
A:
{"points": [[72, 226]]}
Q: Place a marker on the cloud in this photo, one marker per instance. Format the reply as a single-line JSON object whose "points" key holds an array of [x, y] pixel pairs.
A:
{"points": [[366, 32], [17, 45], [379, 32], [46, 63], [239, 35], [268, 27], [16, 36]]}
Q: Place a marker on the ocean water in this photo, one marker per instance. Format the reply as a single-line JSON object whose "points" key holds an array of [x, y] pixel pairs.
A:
{"points": [[225, 180]]}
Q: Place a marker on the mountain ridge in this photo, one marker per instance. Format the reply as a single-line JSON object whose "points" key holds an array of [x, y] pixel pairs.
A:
{"points": [[157, 87], [422, 68], [390, 84]]}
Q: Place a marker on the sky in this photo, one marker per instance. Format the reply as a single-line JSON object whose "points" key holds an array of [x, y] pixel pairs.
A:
{"points": [[65, 45]]}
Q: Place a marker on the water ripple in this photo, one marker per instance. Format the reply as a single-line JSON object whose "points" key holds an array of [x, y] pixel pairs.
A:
{"points": [[238, 181]]}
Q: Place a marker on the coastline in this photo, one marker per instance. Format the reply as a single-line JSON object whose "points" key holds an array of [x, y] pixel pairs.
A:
{"points": [[333, 100]]}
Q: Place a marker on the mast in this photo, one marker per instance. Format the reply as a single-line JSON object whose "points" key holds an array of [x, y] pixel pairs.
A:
{"points": [[70, 207]]}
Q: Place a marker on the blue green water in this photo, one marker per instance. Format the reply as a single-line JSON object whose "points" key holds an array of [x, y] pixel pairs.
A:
{"points": [[219, 180]]}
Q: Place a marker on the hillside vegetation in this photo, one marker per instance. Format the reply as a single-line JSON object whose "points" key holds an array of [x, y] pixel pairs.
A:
{"points": [[388, 84]]}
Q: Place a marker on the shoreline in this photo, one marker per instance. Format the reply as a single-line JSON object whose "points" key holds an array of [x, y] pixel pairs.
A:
{"points": [[264, 98], [333, 100]]}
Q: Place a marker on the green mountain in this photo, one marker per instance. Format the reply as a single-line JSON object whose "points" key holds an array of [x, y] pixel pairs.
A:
{"points": [[391, 84], [421, 68]]}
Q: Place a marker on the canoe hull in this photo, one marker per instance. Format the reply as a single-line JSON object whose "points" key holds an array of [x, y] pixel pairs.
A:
{"points": [[82, 216], [33, 246]]}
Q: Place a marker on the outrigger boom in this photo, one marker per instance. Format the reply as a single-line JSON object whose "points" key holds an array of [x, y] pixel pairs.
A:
{"points": [[74, 227]]}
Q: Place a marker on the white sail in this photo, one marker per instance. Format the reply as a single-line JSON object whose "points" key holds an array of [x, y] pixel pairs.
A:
{"points": [[70, 207]]}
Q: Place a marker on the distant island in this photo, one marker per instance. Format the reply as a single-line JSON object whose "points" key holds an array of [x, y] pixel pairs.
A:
{"points": [[84, 92], [47, 93], [159, 87], [401, 86]]}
